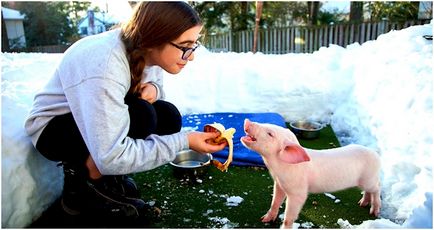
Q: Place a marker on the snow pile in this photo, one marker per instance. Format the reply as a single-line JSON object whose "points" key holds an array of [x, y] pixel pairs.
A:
{"points": [[390, 109], [296, 86], [30, 183], [421, 217], [378, 94]]}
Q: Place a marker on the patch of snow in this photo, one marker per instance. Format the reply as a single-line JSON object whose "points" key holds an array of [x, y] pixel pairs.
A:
{"points": [[234, 201], [223, 222], [330, 195], [307, 225], [344, 224]]}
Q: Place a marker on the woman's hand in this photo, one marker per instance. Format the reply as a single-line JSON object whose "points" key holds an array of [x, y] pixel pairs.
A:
{"points": [[148, 92], [198, 141]]}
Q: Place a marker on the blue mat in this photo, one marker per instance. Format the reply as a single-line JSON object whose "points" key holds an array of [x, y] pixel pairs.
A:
{"points": [[242, 156]]}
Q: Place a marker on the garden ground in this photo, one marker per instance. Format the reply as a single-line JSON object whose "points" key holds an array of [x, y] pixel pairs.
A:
{"points": [[202, 202]]}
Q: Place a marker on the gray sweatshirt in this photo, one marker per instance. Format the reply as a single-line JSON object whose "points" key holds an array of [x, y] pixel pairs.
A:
{"points": [[91, 81]]}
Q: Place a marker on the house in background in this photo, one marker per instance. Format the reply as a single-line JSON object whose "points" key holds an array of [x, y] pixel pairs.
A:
{"points": [[95, 23], [13, 21], [425, 10]]}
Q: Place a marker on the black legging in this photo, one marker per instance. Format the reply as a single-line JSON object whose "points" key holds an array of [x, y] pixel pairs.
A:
{"points": [[61, 140]]}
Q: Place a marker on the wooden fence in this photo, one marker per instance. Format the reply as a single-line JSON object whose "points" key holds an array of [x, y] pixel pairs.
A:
{"points": [[303, 39], [41, 49], [49, 49]]}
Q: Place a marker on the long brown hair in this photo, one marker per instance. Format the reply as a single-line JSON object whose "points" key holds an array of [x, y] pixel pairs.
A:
{"points": [[154, 24]]}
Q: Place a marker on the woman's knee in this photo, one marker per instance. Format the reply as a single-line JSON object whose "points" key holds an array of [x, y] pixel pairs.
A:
{"points": [[160, 118], [143, 118], [169, 118]]}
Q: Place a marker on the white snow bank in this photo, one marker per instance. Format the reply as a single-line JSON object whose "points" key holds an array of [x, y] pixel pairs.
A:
{"points": [[30, 183], [421, 217], [378, 94], [390, 109]]}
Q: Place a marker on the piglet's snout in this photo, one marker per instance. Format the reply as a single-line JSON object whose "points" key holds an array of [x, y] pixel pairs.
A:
{"points": [[247, 125], [249, 129]]}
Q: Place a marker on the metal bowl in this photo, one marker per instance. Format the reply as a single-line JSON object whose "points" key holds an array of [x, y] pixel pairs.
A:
{"points": [[189, 163], [306, 129]]}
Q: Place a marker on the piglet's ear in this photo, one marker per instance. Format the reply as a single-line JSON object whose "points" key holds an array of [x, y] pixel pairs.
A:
{"points": [[293, 154]]}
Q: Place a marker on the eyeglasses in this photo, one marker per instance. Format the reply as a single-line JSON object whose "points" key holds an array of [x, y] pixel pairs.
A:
{"points": [[186, 52]]}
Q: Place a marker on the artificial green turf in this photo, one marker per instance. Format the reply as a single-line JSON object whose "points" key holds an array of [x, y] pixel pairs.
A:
{"points": [[326, 139], [201, 203]]}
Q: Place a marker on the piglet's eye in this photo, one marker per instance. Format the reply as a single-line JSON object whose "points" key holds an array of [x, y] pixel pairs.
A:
{"points": [[270, 134]]}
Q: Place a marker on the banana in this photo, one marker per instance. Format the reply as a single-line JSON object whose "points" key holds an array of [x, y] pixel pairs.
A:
{"points": [[226, 135]]}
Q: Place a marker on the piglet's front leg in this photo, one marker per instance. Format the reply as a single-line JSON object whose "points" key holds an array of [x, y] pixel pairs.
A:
{"points": [[294, 204], [278, 197]]}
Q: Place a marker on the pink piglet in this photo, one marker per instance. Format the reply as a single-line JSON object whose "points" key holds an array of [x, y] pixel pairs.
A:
{"points": [[298, 171]]}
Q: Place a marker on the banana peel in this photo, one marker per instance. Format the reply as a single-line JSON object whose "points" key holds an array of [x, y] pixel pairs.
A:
{"points": [[226, 135]]}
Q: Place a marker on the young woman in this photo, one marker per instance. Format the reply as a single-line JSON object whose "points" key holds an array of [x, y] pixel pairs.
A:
{"points": [[103, 114]]}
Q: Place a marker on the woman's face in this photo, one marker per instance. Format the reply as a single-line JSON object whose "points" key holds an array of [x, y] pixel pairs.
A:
{"points": [[169, 57]]}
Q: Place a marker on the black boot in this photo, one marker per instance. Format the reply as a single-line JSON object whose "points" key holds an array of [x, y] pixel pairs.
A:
{"points": [[110, 199], [130, 187], [74, 189], [123, 184], [109, 196]]}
